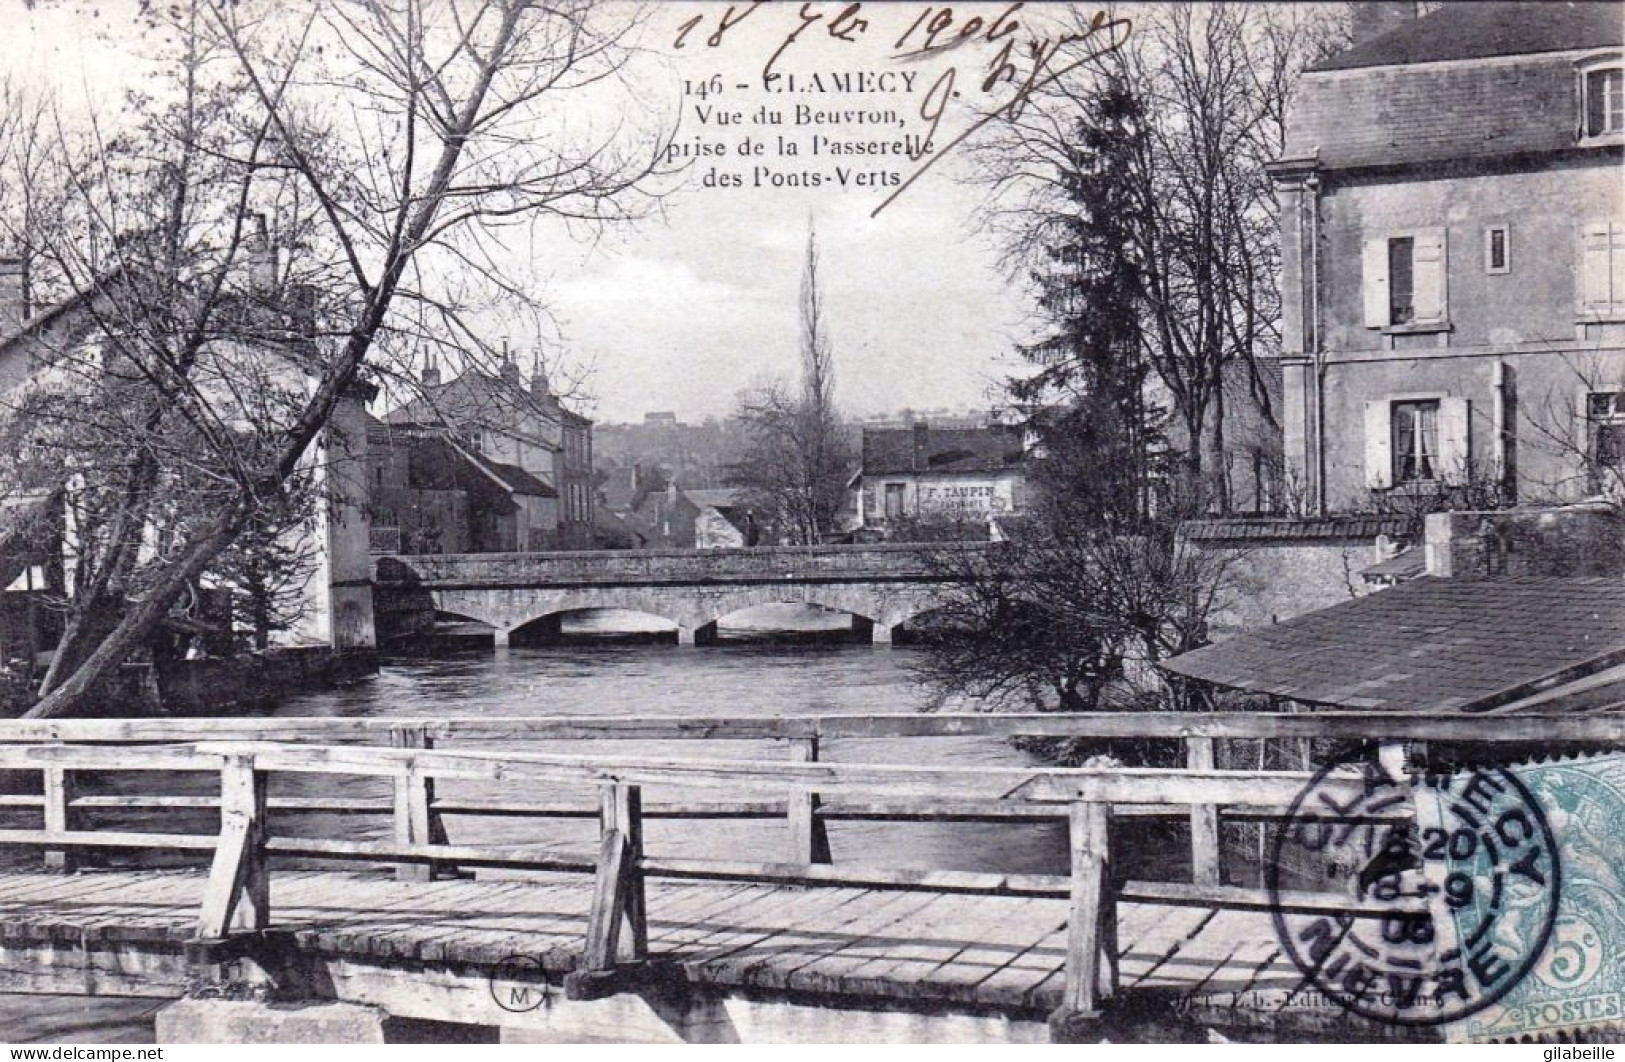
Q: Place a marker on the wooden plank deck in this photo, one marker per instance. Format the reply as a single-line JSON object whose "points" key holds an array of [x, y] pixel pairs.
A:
{"points": [[885, 947]]}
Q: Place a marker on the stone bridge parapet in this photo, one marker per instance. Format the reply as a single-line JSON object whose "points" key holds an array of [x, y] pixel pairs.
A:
{"points": [[882, 585]]}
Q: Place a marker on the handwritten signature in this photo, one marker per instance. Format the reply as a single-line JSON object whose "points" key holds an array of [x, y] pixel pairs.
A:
{"points": [[1025, 62]]}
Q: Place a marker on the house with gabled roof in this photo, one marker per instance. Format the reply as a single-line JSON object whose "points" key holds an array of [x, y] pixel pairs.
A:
{"points": [[501, 421], [432, 492]]}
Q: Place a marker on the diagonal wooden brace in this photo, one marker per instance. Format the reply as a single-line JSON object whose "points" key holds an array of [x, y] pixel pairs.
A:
{"points": [[617, 927], [238, 893]]}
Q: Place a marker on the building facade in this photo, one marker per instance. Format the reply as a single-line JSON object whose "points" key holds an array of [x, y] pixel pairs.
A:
{"points": [[1453, 244], [503, 425], [431, 494], [920, 477], [260, 338]]}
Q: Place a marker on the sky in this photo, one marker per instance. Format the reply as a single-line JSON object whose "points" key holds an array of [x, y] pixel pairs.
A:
{"points": [[683, 311]]}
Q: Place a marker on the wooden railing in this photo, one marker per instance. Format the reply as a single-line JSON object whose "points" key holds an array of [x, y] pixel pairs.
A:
{"points": [[244, 752]]}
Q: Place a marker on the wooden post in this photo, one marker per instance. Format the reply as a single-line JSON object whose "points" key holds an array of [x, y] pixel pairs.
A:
{"points": [[1205, 858], [1091, 926], [238, 895], [617, 926], [58, 790], [621, 811], [809, 838], [416, 821]]}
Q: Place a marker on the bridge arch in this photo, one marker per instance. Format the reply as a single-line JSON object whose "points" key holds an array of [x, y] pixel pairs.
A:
{"points": [[551, 628]]}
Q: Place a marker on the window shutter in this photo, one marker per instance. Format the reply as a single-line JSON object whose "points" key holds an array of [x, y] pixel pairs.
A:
{"points": [[1583, 445], [1428, 273], [1616, 264], [1379, 458], [1595, 290], [1455, 438], [1374, 280]]}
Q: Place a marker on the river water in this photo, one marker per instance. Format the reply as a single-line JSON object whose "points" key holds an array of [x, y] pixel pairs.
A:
{"points": [[740, 678]]}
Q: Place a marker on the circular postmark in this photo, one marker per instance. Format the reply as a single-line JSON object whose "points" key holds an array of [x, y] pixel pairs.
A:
{"points": [[519, 984], [1473, 881]]}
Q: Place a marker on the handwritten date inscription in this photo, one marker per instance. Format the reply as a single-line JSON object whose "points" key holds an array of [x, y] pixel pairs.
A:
{"points": [[1009, 59]]}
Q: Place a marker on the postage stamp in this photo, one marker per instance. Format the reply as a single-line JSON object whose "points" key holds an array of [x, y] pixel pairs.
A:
{"points": [[1577, 984], [1479, 864]]}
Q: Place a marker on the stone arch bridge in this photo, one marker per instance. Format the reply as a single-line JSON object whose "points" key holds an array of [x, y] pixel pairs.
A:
{"points": [[881, 585]]}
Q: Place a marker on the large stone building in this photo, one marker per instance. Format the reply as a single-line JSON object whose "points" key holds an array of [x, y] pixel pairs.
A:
{"points": [[1453, 242], [524, 437]]}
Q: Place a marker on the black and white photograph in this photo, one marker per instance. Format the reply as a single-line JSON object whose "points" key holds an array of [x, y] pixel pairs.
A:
{"points": [[542, 522]]}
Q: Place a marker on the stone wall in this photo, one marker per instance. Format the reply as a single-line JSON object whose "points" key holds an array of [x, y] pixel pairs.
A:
{"points": [[1572, 541], [1281, 568]]}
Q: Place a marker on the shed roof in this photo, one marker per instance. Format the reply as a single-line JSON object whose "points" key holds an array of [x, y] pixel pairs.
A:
{"points": [[1429, 645], [1486, 30]]}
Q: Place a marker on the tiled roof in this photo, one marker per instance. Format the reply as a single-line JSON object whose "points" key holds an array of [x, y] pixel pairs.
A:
{"points": [[1428, 645], [1281, 529], [1484, 30], [888, 451], [513, 477], [481, 400]]}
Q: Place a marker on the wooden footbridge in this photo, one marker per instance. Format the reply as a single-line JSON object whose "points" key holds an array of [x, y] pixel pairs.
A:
{"points": [[213, 858]]}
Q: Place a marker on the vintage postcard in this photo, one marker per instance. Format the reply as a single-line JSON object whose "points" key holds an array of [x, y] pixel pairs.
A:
{"points": [[774, 522]]}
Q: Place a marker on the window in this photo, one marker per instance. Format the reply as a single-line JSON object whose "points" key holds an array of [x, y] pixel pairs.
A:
{"points": [[1413, 440], [1497, 250], [1604, 91], [1416, 441], [1605, 432], [894, 501], [1403, 277], [1401, 294], [1601, 269]]}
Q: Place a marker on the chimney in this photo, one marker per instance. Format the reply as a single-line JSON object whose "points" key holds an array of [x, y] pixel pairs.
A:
{"points": [[1373, 18], [261, 257], [509, 370], [431, 372], [920, 429], [13, 294], [539, 385]]}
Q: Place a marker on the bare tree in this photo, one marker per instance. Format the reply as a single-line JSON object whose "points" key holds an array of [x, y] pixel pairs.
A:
{"points": [[407, 144], [795, 463], [1071, 612], [1208, 88]]}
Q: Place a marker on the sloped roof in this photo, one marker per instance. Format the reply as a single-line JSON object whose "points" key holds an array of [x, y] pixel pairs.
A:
{"points": [[513, 477], [1406, 564], [1485, 30], [480, 399], [1428, 645], [888, 451], [715, 498]]}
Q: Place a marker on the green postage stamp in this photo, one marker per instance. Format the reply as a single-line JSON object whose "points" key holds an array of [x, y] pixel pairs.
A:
{"points": [[1576, 983]]}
